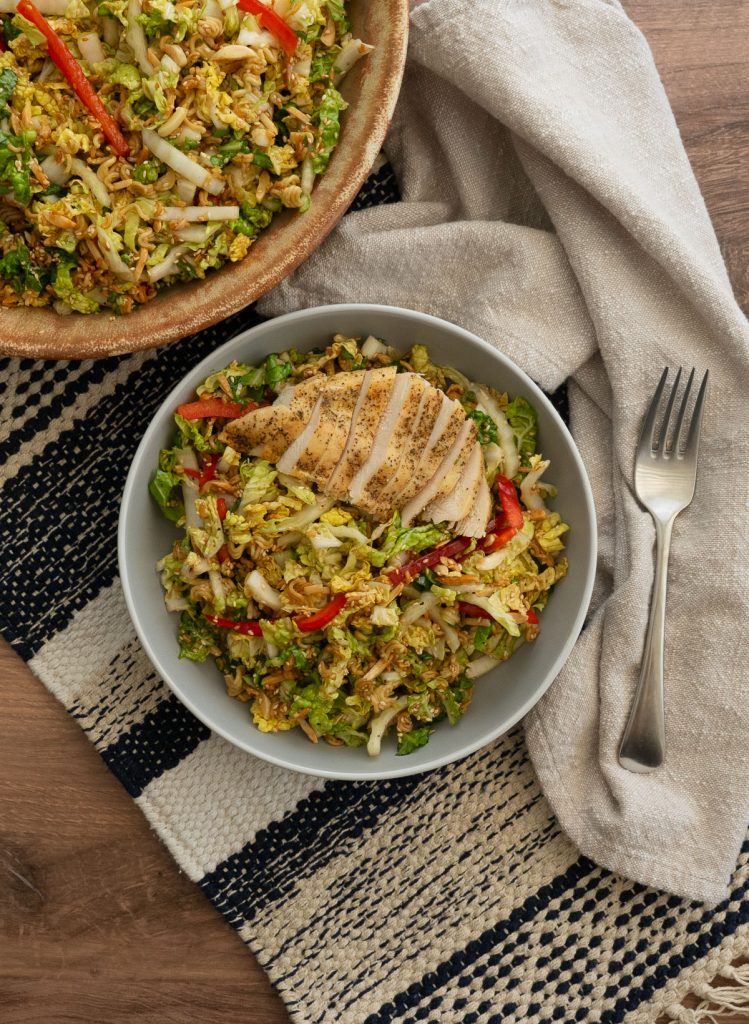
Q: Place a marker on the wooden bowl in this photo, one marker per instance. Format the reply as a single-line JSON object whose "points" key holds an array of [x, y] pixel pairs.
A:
{"points": [[371, 90]]}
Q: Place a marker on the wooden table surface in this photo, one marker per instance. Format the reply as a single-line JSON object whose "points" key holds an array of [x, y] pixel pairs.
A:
{"points": [[96, 922]]}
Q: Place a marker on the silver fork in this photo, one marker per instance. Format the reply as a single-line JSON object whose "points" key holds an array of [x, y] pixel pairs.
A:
{"points": [[665, 475]]}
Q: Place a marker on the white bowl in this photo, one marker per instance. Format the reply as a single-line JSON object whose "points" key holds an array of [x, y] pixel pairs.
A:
{"points": [[502, 696]]}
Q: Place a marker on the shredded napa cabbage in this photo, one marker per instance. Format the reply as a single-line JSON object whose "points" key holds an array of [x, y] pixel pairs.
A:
{"points": [[292, 593]]}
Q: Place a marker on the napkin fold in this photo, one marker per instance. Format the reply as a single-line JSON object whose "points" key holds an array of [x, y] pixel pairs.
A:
{"points": [[549, 206]]}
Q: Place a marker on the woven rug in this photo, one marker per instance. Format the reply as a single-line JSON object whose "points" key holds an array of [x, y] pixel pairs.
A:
{"points": [[449, 897]]}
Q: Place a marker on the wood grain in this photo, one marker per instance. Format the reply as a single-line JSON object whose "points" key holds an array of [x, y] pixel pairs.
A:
{"points": [[700, 49], [96, 922]]}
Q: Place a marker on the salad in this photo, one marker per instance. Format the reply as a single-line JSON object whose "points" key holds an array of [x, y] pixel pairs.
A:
{"points": [[147, 141], [322, 618]]}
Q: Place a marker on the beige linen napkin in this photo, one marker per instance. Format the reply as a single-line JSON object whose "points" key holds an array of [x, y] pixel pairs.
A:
{"points": [[549, 206]]}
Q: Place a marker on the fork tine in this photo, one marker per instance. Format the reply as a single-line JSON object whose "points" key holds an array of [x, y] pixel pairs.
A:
{"points": [[669, 410], [682, 411], [648, 424], [693, 437]]}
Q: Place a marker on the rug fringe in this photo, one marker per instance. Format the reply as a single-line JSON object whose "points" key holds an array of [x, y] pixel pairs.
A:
{"points": [[717, 1001]]}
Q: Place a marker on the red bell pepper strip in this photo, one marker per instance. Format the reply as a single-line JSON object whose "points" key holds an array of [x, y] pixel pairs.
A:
{"points": [[247, 627], [273, 22], [508, 496], [194, 474], [213, 408], [472, 610], [222, 510], [208, 471], [495, 524], [411, 570], [222, 554], [73, 73], [320, 619], [532, 617], [493, 541]]}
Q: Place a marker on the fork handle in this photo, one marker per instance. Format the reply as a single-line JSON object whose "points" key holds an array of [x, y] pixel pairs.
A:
{"points": [[643, 745]]}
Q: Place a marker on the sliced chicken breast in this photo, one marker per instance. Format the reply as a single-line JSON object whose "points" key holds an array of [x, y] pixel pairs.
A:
{"points": [[425, 458], [462, 487], [412, 456], [317, 459], [287, 462], [269, 431], [391, 439], [475, 523], [446, 475], [368, 411], [403, 455], [452, 486], [302, 396], [378, 439], [266, 432]]}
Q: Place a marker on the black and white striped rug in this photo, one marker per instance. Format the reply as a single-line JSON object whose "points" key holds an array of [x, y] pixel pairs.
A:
{"points": [[449, 897]]}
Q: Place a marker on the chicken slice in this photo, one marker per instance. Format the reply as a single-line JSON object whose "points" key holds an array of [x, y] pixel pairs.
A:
{"points": [[447, 474], [302, 396], [441, 423], [475, 523], [269, 431], [394, 474], [287, 462], [457, 502], [316, 460], [392, 437], [370, 406], [426, 459], [266, 432], [413, 453]]}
